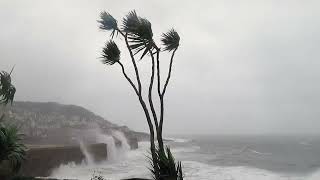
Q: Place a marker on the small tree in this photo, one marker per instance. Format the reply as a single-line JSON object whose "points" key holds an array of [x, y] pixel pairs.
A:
{"points": [[138, 36], [11, 150]]}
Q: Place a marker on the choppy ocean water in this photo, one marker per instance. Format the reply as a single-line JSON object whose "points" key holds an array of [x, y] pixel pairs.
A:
{"points": [[217, 157]]}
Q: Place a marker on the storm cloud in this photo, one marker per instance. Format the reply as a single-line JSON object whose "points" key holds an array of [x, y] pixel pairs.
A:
{"points": [[242, 67]]}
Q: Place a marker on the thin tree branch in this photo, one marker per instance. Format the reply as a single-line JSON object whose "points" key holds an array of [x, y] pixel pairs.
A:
{"points": [[128, 79], [159, 130], [160, 141], [150, 92], [164, 91], [169, 73], [158, 73], [133, 61]]}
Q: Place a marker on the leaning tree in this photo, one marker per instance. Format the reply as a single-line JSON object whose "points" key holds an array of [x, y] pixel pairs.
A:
{"points": [[138, 36]]}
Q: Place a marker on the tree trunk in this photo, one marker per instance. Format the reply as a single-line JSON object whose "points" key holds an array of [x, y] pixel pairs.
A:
{"points": [[161, 96], [152, 144], [159, 130], [146, 112]]}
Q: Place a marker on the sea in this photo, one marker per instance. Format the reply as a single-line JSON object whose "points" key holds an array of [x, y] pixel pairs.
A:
{"points": [[215, 157]]}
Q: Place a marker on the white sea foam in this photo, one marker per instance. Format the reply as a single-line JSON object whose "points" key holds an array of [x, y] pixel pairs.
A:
{"points": [[179, 140], [114, 153], [314, 176], [135, 165], [111, 145], [188, 149], [259, 153], [124, 142], [200, 171], [193, 171], [88, 156]]}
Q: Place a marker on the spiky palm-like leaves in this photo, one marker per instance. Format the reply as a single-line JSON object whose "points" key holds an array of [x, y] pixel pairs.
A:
{"points": [[169, 169], [139, 33], [170, 40], [110, 53], [107, 22], [10, 147], [7, 90]]}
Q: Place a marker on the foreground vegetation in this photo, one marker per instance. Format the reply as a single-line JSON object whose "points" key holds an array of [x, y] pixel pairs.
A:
{"points": [[12, 152]]}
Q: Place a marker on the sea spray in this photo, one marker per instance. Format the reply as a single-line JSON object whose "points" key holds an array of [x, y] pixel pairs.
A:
{"points": [[122, 138], [88, 157], [111, 145], [120, 163], [114, 153]]}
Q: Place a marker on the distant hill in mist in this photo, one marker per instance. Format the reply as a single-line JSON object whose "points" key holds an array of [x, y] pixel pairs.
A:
{"points": [[54, 123]]}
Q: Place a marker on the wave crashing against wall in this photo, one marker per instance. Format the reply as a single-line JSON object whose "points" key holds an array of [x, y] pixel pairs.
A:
{"points": [[116, 144], [117, 147]]}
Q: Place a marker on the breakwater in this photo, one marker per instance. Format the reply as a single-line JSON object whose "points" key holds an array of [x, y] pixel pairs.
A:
{"points": [[41, 160]]}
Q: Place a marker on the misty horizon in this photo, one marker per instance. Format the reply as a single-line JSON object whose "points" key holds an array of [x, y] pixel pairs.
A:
{"points": [[242, 68]]}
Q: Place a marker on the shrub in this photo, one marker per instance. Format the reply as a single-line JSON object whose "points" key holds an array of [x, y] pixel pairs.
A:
{"points": [[169, 169]]}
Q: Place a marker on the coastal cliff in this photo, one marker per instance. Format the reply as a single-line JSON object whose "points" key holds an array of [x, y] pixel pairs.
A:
{"points": [[54, 123]]}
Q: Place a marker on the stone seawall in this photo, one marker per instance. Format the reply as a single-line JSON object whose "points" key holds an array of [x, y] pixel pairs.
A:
{"points": [[41, 160]]}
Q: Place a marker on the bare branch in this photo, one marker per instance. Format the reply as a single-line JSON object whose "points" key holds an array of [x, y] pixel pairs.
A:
{"points": [[150, 92], [128, 79], [164, 91], [158, 73], [133, 61], [169, 74]]}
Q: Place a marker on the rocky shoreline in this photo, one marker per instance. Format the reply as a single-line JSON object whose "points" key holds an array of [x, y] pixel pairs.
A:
{"points": [[54, 131], [54, 123]]}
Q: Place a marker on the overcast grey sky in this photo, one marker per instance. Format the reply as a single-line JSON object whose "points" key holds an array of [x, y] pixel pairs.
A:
{"points": [[244, 66]]}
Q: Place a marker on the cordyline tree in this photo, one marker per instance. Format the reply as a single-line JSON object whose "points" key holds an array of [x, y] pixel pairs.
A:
{"points": [[137, 34]]}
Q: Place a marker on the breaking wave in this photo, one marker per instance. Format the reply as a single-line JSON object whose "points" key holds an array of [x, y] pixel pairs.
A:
{"points": [[135, 165]]}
